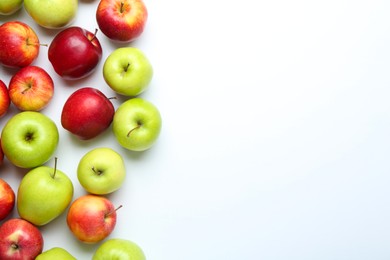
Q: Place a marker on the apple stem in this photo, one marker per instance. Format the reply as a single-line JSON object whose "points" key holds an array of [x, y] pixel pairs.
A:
{"points": [[135, 128], [121, 8], [112, 98], [55, 168], [94, 35], [14, 246], [111, 212]]}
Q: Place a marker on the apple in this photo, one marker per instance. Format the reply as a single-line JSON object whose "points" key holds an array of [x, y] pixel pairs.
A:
{"points": [[20, 240], [5, 100], [122, 20], [75, 52], [7, 199], [1, 154], [55, 253], [29, 139], [91, 218], [19, 44], [101, 171], [52, 14], [87, 113], [8, 7], [137, 124], [127, 71], [44, 193], [31, 88], [118, 248]]}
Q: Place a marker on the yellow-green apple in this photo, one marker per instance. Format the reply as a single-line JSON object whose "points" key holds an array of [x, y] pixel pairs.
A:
{"points": [[87, 113], [127, 71], [137, 124], [119, 248], [31, 88], [29, 139], [122, 20], [55, 253], [101, 171], [20, 240], [43, 194], [52, 14], [19, 44], [7, 199], [75, 52], [5, 100], [8, 7], [91, 218]]}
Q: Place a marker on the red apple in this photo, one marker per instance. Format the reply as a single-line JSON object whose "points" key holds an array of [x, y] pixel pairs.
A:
{"points": [[91, 218], [5, 101], [7, 199], [1, 154], [19, 44], [19, 239], [75, 53], [31, 88], [122, 20], [87, 113]]}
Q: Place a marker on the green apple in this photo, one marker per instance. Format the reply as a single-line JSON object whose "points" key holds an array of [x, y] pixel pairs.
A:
{"points": [[43, 194], [101, 171], [137, 124], [52, 13], [55, 253], [127, 71], [29, 139], [8, 7], [117, 248]]}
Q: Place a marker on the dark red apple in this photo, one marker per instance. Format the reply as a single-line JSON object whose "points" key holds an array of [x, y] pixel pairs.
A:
{"points": [[19, 239], [87, 113], [75, 52], [5, 100]]}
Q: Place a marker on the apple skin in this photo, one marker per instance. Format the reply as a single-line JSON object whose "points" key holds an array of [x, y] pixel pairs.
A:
{"points": [[55, 253], [127, 71], [137, 124], [20, 240], [44, 194], [1, 154], [75, 53], [19, 44], [52, 14], [29, 139], [122, 20], [87, 113], [5, 100], [118, 248], [7, 199], [31, 88], [8, 7], [91, 218], [101, 171]]}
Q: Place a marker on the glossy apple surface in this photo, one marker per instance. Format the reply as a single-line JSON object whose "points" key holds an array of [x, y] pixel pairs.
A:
{"points": [[29, 139], [87, 113], [52, 14], [137, 124], [19, 44], [8, 7], [127, 71], [122, 20], [91, 218], [117, 248], [101, 171], [31, 88], [7, 199], [20, 240], [5, 100], [74, 53], [55, 253]]}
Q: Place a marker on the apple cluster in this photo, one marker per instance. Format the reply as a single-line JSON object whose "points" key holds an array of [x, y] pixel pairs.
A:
{"points": [[45, 192]]}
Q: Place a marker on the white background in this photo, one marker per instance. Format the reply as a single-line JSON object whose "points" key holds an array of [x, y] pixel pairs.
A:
{"points": [[275, 138]]}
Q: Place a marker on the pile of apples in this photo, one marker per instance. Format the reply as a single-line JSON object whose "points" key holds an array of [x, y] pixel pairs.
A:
{"points": [[29, 138]]}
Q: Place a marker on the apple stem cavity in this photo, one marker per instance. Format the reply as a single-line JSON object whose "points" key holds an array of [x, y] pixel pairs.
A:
{"points": [[55, 168], [139, 124], [98, 172], [111, 212]]}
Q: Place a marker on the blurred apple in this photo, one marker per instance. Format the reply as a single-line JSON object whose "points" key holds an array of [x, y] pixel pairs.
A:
{"points": [[31, 88], [75, 52], [8, 7], [91, 218], [55, 253], [121, 20], [1, 154], [5, 100], [7, 199], [127, 71], [117, 248], [87, 113], [19, 44], [20, 240]]}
